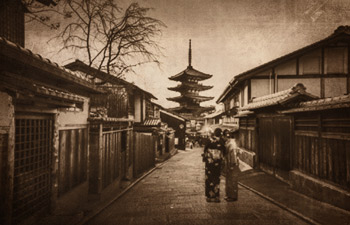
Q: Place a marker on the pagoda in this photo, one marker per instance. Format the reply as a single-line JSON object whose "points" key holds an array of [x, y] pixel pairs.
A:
{"points": [[189, 89]]}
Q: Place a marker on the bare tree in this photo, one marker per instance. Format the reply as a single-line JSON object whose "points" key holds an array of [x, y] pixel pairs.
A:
{"points": [[112, 40], [104, 35]]}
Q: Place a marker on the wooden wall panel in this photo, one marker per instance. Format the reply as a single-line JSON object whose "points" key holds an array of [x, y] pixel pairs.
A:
{"points": [[72, 159], [323, 154]]}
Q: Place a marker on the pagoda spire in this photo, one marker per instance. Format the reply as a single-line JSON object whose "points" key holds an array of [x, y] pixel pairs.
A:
{"points": [[189, 55], [189, 98]]}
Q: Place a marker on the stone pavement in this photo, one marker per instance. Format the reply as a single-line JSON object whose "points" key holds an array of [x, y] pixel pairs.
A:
{"points": [[174, 194], [280, 193]]}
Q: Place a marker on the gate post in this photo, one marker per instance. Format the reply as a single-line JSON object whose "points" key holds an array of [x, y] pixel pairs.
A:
{"points": [[95, 159], [129, 155]]}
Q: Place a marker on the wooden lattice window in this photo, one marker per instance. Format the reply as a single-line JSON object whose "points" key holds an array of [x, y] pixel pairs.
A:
{"points": [[33, 152]]}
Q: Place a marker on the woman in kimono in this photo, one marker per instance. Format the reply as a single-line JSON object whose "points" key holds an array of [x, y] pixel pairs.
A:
{"points": [[232, 166], [214, 152]]}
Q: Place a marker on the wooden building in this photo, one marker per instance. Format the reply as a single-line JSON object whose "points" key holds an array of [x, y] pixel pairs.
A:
{"points": [[189, 89], [64, 136], [44, 132], [323, 67], [320, 149], [127, 103], [300, 139], [271, 140], [125, 100], [178, 124]]}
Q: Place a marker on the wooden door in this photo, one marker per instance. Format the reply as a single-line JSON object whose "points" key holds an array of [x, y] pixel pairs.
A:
{"points": [[274, 142]]}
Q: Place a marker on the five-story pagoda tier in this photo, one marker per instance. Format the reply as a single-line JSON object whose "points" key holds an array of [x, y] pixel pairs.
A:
{"points": [[189, 89]]}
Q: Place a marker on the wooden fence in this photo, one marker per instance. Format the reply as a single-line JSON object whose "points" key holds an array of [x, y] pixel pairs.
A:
{"points": [[144, 152], [111, 153], [322, 146], [72, 159]]}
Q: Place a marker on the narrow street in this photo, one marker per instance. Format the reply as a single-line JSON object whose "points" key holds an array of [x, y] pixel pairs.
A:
{"points": [[174, 194]]}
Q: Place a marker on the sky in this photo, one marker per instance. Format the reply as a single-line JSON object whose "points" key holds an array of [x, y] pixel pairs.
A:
{"points": [[228, 37]]}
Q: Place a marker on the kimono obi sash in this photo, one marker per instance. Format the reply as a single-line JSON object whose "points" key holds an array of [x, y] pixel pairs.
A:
{"points": [[215, 154]]}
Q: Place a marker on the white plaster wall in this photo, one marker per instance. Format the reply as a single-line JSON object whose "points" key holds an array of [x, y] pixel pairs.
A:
{"points": [[137, 107], [336, 60], [245, 95], [143, 108], [310, 63], [335, 87], [288, 68], [6, 110], [260, 87], [72, 118]]}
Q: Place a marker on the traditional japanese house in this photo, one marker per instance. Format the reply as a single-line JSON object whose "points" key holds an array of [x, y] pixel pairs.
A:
{"points": [[320, 144], [178, 124], [323, 67], [189, 89], [44, 125], [127, 102], [44, 132], [214, 119], [126, 99], [302, 140]]}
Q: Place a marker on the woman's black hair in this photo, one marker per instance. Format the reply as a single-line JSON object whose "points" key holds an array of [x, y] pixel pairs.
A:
{"points": [[217, 132]]}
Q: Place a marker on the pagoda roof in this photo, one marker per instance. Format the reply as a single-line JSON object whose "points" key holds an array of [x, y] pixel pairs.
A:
{"points": [[196, 109], [195, 86], [189, 72], [187, 97]]}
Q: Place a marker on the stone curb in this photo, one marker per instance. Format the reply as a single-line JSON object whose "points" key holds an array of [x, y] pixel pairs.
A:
{"points": [[305, 218]]}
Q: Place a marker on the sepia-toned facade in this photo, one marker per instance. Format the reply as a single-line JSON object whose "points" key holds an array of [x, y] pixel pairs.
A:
{"points": [[65, 137], [282, 136]]}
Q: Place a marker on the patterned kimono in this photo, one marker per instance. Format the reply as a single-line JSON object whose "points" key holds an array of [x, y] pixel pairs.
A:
{"points": [[213, 156]]}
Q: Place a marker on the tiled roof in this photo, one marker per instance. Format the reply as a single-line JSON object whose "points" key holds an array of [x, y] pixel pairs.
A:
{"points": [[279, 98], [50, 92], [184, 86], [243, 113], [151, 122], [321, 104], [78, 65], [13, 52], [29, 87], [189, 96], [189, 71], [172, 115]]}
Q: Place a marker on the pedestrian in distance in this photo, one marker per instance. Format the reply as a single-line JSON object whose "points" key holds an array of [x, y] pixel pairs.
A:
{"points": [[213, 155], [232, 166]]}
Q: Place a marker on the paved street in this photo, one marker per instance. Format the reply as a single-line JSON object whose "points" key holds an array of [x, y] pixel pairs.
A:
{"points": [[174, 194]]}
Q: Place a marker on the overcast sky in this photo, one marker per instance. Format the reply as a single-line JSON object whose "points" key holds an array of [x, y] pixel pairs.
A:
{"points": [[228, 37]]}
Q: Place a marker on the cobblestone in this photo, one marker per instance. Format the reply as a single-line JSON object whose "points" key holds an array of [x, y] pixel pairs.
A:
{"points": [[174, 194]]}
